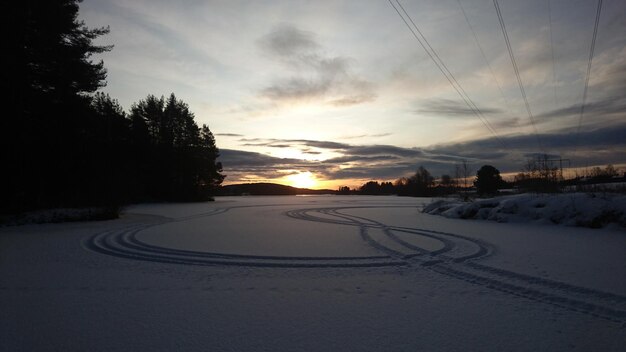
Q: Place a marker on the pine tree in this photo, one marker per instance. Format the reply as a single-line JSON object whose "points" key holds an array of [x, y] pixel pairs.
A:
{"points": [[50, 53], [47, 78], [180, 159], [210, 176]]}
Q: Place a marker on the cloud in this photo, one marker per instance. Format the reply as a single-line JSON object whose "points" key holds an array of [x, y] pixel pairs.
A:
{"points": [[314, 75], [591, 147], [353, 100], [311, 152], [386, 150], [451, 108], [361, 158], [323, 144], [234, 159], [244, 166], [294, 143], [296, 89], [367, 136], [288, 41], [357, 161], [229, 134], [611, 105], [598, 146]]}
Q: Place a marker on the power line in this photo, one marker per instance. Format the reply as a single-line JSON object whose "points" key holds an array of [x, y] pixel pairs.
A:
{"points": [[480, 114], [552, 51], [516, 69], [444, 69], [556, 104], [591, 50], [482, 52]]}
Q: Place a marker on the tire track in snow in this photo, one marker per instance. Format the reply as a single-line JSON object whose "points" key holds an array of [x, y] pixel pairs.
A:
{"points": [[464, 248], [456, 258], [123, 243], [591, 302]]}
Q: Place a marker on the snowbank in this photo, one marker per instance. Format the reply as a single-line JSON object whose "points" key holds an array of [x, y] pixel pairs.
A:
{"points": [[574, 209], [61, 215]]}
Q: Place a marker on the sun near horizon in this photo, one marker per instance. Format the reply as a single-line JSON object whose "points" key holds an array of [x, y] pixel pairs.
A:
{"points": [[302, 180]]}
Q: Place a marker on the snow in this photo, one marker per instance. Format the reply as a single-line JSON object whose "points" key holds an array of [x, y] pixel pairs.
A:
{"points": [[310, 273], [571, 209], [60, 215]]}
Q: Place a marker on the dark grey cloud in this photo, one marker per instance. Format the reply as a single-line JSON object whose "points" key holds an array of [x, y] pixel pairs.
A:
{"points": [[229, 134], [363, 173], [386, 150], [244, 166], [323, 144], [311, 152], [287, 41], [509, 122], [612, 136], [345, 148], [599, 146], [296, 89], [266, 144], [314, 74], [294, 143], [611, 105], [235, 159], [451, 108], [361, 158]]}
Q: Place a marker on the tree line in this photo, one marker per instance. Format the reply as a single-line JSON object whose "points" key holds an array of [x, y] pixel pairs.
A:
{"points": [[538, 175], [422, 184], [65, 145]]}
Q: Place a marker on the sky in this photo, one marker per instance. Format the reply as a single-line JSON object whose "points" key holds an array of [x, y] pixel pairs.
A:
{"points": [[322, 94]]}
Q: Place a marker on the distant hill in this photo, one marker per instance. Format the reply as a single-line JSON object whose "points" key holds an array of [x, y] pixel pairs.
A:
{"points": [[267, 189]]}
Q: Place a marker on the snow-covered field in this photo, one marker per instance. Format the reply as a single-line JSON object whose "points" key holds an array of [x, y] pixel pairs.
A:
{"points": [[318, 273]]}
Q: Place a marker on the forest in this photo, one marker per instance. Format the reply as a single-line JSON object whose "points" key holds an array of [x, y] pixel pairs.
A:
{"points": [[65, 144]]}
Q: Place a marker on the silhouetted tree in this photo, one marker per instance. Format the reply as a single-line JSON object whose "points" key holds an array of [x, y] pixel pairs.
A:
{"points": [[47, 77], [343, 190], [538, 175], [108, 149], [446, 180], [370, 188], [401, 186], [463, 172], [375, 188], [598, 173], [179, 158], [421, 182], [210, 176], [50, 52], [419, 185], [63, 145], [488, 180], [387, 188], [445, 185], [149, 113]]}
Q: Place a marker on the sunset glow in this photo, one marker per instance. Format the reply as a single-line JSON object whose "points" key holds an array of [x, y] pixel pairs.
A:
{"points": [[340, 100], [302, 180]]}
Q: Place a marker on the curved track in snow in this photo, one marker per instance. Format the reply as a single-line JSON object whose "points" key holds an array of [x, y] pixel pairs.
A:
{"points": [[124, 243], [457, 256]]}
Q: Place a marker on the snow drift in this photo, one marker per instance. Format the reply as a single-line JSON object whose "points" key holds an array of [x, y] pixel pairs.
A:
{"points": [[574, 209]]}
